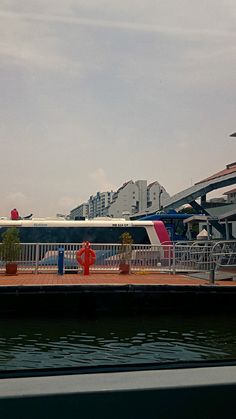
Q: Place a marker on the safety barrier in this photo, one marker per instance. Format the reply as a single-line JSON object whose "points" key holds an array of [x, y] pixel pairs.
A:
{"points": [[178, 257], [224, 254]]}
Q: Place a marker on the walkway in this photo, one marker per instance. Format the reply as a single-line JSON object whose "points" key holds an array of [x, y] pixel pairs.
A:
{"points": [[105, 279]]}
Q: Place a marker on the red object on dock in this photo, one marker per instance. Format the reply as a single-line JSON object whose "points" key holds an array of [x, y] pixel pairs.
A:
{"points": [[14, 214], [86, 257]]}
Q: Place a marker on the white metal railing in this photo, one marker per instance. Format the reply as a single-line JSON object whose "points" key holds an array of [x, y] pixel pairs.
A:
{"points": [[224, 254], [178, 257]]}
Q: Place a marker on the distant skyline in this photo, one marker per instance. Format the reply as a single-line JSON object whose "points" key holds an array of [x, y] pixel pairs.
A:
{"points": [[95, 93]]}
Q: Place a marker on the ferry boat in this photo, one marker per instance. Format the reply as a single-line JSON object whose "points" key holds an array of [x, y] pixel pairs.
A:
{"points": [[98, 230]]}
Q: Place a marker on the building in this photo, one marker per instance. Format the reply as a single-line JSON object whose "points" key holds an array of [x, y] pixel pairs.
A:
{"points": [[124, 200], [231, 196], [98, 203], [136, 197], [226, 217], [79, 212], [131, 198], [156, 196]]}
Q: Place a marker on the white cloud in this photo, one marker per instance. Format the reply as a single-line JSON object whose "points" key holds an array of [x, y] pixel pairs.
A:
{"points": [[16, 200], [100, 181], [66, 203], [29, 57], [33, 45], [183, 145], [95, 92], [122, 24]]}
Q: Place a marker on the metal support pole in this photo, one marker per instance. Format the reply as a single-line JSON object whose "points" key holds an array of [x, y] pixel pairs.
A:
{"points": [[208, 230], [60, 263], [173, 261], [212, 275], [227, 235], [36, 258]]}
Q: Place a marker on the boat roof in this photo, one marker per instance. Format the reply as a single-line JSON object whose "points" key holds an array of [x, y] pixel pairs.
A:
{"points": [[111, 222], [166, 216]]}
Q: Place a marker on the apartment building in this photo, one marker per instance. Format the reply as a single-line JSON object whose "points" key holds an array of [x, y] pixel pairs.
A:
{"points": [[136, 197], [98, 203], [131, 198], [231, 196], [79, 212]]}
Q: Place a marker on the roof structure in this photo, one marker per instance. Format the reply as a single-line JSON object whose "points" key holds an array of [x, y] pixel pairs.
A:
{"points": [[229, 192], [222, 209], [219, 180], [198, 218], [230, 168], [227, 212], [230, 216]]}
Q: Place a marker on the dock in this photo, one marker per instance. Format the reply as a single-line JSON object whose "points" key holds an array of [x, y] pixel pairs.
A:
{"points": [[113, 293]]}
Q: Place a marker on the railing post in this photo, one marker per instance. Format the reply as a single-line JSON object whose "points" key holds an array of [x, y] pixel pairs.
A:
{"points": [[36, 258], [212, 270], [169, 258], [212, 276], [173, 260]]}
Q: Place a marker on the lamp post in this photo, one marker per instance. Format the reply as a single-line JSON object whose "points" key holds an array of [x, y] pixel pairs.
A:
{"points": [[160, 192]]}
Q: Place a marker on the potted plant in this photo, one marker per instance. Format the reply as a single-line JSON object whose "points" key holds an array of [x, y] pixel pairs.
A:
{"points": [[125, 252], [10, 250]]}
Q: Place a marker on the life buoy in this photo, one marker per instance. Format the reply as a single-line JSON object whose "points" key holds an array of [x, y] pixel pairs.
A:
{"points": [[89, 256]]}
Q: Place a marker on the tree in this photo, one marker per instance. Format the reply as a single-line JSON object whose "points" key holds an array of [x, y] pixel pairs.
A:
{"points": [[10, 246]]}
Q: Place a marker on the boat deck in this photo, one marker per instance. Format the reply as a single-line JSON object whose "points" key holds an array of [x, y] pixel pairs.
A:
{"points": [[48, 293]]}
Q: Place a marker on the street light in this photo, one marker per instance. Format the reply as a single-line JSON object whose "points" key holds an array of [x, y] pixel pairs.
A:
{"points": [[160, 192]]}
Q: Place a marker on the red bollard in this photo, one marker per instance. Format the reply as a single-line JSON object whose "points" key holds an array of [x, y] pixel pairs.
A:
{"points": [[86, 257]]}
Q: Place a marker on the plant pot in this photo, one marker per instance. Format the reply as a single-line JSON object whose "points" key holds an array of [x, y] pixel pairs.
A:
{"points": [[124, 268], [11, 268]]}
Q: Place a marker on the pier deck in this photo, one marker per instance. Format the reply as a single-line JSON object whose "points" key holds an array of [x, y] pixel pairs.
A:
{"points": [[52, 294], [28, 279]]}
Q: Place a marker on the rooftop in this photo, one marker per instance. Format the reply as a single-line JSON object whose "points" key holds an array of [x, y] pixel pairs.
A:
{"points": [[231, 191], [230, 168]]}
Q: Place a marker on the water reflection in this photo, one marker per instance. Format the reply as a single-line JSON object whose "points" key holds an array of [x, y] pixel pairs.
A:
{"points": [[49, 342]]}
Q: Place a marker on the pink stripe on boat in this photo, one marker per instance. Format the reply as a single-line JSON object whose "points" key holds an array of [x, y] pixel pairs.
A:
{"points": [[162, 232]]}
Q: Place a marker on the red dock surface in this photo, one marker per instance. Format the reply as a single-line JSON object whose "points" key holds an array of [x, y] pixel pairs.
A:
{"points": [[29, 279]]}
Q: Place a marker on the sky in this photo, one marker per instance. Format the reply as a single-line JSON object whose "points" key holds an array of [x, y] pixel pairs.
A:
{"points": [[94, 93]]}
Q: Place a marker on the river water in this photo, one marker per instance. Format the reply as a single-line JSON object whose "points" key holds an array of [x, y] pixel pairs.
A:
{"points": [[68, 342]]}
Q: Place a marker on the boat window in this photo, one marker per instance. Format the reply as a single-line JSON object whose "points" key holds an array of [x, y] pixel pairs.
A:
{"points": [[78, 235]]}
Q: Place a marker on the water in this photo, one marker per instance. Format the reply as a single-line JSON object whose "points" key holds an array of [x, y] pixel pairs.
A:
{"points": [[67, 342]]}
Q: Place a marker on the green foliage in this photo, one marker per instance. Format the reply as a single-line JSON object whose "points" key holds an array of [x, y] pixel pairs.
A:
{"points": [[126, 247], [126, 238], [10, 247], [187, 210]]}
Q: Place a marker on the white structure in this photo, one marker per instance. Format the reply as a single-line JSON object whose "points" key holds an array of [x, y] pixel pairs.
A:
{"points": [[98, 203], [156, 196], [220, 200], [226, 216], [231, 196], [79, 212], [131, 198], [124, 200], [136, 197]]}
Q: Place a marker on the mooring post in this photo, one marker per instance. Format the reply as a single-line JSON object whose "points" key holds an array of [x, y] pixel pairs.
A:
{"points": [[60, 262], [212, 275]]}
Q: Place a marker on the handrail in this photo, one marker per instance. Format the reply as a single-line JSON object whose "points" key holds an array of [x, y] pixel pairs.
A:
{"points": [[175, 257]]}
